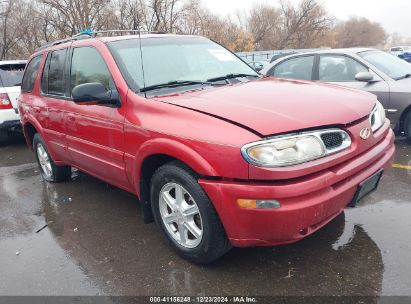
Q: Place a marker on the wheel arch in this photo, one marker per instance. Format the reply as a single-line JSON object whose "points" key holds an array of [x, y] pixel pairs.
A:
{"points": [[404, 115], [30, 128], [152, 155]]}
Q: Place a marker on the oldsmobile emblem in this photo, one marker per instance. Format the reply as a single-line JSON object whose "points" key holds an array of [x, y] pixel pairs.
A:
{"points": [[365, 133]]}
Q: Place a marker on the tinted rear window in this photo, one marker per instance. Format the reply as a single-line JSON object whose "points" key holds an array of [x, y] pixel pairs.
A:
{"points": [[56, 73], [30, 75], [11, 74]]}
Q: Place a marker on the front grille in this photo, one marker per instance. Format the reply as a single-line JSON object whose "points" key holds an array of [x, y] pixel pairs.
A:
{"points": [[332, 140]]}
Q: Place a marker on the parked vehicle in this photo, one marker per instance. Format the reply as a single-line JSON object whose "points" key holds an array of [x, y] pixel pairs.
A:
{"points": [[11, 73], [278, 56], [177, 121], [405, 56], [258, 65], [370, 70], [398, 50], [403, 52]]}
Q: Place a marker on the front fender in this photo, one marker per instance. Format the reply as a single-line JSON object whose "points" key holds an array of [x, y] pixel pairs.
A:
{"points": [[173, 149]]}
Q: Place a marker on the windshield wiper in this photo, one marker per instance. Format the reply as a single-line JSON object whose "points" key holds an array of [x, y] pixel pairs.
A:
{"points": [[404, 76], [229, 76], [174, 84]]}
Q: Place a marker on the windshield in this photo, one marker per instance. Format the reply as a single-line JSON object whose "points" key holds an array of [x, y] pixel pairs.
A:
{"points": [[391, 65], [165, 60], [11, 74]]}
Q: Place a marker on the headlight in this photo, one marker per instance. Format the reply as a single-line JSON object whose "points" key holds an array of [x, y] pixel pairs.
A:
{"points": [[295, 148], [377, 117]]}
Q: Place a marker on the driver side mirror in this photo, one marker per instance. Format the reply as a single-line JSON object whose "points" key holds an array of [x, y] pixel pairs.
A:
{"points": [[258, 67], [94, 93], [364, 77]]}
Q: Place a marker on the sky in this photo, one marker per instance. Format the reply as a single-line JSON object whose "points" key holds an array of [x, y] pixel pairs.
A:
{"points": [[394, 15]]}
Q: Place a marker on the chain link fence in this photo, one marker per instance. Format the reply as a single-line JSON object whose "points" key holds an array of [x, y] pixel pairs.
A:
{"points": [[267, 55]]}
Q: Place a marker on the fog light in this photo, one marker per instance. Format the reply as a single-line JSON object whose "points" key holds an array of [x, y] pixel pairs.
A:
{"points": [[272, 204], [258, 204]]}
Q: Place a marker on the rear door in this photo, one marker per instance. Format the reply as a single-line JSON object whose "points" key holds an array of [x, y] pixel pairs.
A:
{"points": [[341, 70], [11, 76], [95, 133], [53, 91]]}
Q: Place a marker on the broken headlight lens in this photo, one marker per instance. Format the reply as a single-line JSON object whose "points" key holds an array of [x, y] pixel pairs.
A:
{"points": [[293, 149]]}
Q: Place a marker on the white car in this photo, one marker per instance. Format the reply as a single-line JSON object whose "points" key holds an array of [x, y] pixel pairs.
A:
{"points": [[11, 74]]}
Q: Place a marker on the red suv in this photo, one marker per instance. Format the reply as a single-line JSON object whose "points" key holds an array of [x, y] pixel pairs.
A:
{"points": [[218, 155]]}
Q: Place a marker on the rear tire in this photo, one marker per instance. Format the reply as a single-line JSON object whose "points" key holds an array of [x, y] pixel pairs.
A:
{"points": [[49, 170], [190, 224], [4, 137]]}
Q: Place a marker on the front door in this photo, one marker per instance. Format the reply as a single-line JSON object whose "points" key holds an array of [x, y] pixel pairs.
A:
{"points": [[95, 135], [340, 69]]}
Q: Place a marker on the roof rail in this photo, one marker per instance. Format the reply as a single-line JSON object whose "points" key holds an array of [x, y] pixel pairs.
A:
{"points": [[84, 34], [117, 32], [75, 37]]}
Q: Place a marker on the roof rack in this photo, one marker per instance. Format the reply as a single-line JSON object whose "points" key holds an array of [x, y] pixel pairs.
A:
{"points": [[85, 34]]}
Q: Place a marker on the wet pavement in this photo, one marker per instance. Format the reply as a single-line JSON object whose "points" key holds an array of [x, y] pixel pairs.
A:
{"points": [[95, 243]]}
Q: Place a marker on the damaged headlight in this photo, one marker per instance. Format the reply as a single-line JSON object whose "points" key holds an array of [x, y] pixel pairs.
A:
{"points": [[295, 148]]}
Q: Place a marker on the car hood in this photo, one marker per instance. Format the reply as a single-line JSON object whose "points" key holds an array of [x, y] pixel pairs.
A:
{"points": [[271, 106]]}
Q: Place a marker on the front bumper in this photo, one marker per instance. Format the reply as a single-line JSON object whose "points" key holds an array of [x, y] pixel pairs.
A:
{"points": [[307, 203]]}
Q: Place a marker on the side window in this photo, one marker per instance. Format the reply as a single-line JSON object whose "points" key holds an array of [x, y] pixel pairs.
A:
{"points": [[335, 68], [56, 73], [295, 68], [30, 75], [87, 66], [44, 75]]}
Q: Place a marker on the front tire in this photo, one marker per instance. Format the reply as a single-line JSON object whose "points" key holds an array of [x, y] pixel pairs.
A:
{"points": [[186, 216], [49, 170], [407, 127]]}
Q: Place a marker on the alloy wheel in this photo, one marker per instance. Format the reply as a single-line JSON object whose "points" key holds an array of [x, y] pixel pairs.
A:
{"points": [[44, 160], [180, 215]]}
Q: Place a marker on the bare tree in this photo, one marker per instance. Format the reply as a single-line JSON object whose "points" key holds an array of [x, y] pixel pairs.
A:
{"points": [[360, 32], [303, 23], [71, 16], [4, 14], [289, 26], [14, 26], [131, 14], [263, 22], [27, 24]]}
